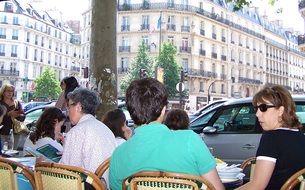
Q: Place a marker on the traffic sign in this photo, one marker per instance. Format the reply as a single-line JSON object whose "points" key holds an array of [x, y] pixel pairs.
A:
{"points": [[182, 86]]}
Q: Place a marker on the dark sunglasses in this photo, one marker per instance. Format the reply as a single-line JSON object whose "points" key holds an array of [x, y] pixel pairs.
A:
{"points": [[263, 107]]}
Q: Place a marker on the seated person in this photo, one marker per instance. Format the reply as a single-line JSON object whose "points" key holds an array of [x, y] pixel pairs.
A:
{"points": [[177, 119], [47, 130], [154, 146], [281, 149], [116, 121]]}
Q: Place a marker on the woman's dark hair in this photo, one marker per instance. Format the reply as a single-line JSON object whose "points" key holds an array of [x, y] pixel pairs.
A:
{"points": [[177, 119], [145, 99], [46, 122], [115, 120], [2, 110], [71, 84], [279, 96]]}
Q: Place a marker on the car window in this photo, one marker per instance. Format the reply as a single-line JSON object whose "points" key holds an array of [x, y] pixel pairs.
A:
{"points": [[300, 111], [240, 119], [33, 116], [202, 120]]}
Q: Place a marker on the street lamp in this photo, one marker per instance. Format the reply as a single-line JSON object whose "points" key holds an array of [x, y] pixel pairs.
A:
{"points": [[209, 90]]}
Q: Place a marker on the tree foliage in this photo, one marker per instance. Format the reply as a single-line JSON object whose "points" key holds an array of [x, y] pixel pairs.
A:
{"points": [[239, 4], [47, 85], [141, 61], [167, 61]]}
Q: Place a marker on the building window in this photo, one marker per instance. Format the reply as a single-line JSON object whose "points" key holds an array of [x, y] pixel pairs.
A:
{"points": [[124, 65], [28, 37], [145, 22], [15, 34], [2, 33], [185, 63], [223, 89], [125, 23], [35, 55], [26, 52], [14, 51], [15, 20], [170, 39], [201, 86], [3, 19], [2, 50]]}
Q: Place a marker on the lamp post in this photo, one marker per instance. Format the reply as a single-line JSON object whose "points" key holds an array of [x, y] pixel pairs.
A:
{"points": [[209, 90]]}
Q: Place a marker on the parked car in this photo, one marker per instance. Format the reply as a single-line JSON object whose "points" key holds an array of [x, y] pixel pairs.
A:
{"points": [[33, 114], [205, 108], [232, 130], [30, 105]]}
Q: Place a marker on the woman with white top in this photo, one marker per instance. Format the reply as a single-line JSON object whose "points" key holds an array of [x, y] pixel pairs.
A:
{"points": [[281, 150], [47, 130], [115, 120]]}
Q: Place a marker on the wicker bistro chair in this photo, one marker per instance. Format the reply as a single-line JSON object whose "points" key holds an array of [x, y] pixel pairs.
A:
{"points": [[294, 180], [248, 167], [102, 168], [157, 180], [8, 174], [50, 176]]}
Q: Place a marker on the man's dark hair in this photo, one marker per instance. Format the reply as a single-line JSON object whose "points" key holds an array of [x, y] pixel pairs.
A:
{"points": [[145, 99]]}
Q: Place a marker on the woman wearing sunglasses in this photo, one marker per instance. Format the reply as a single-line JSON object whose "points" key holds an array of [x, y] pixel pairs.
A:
{"points": [[281, 150]]}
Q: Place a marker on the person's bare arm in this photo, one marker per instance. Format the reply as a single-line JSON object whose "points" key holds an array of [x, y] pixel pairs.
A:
{"points": [[212, 177], [262, 174]]}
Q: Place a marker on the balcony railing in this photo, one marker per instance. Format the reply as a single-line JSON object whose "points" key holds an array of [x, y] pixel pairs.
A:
{"points": [[248, 80], [214, 55], [181, 7], [201, 73], [171, 27], [125, 28], [185, 49], [122, 70], [124, 48], [214, 36], [74, 68], [185, 28], [9, 72], [144, 26], [202, 52]]}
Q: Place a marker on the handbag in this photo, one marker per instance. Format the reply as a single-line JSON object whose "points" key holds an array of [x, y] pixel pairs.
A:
{"points": [[17, 125]]}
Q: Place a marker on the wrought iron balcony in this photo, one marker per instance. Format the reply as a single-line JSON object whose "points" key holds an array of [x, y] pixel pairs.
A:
{"points": [[122, 70], [144, 26], [214, 55], [171, 27], [185, 49], [125, 28], [248, 80], [124, 48], [11, 72], [202, 52], [201, 73], [185, 28], [74, 68]]}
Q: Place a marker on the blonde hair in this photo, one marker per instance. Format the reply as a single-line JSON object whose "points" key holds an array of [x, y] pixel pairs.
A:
{"points": [[5, 87]]}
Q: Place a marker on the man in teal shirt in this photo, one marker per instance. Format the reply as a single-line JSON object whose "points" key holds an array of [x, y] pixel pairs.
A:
{"points": [[154, 147]]}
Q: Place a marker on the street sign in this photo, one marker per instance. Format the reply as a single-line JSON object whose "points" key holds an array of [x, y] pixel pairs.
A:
{"points": [[182, 86]]}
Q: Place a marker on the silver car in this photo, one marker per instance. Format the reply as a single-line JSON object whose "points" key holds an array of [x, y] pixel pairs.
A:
{"points": [[231, 129]]}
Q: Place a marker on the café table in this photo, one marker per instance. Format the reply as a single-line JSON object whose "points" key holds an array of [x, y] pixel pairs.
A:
{"points": [[232, 183]]}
